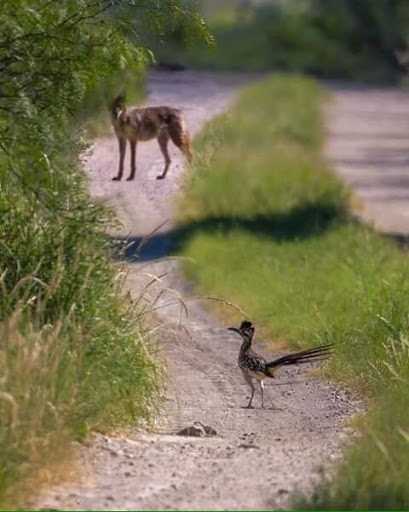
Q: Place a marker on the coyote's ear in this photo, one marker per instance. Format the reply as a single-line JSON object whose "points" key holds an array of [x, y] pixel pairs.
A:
{"points": [[122, 96], [118, 102]]}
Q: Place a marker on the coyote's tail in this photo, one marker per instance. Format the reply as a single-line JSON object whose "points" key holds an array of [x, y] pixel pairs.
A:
{"points": [[180, 135]]}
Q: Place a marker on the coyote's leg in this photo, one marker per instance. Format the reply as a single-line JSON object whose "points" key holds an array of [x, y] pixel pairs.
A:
{"points": [[133, 160], [122, 150], [163, 139]]}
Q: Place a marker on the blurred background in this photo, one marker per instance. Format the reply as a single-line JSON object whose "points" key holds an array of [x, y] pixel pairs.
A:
{"points": [[350, 39]]}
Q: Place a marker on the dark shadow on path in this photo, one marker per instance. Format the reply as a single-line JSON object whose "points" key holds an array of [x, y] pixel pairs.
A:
{"points": [[301, 222]]}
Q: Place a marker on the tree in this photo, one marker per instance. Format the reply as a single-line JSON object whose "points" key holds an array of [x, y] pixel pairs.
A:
{"points": [[51, 51]]}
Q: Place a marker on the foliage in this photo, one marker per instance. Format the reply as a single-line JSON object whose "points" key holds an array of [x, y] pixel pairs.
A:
{"points": [[275, 221], [74, 354], [362, 39], [184, 28]]}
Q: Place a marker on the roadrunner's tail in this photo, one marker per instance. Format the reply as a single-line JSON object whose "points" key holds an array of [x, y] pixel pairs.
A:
{"points": [[304, 356]]}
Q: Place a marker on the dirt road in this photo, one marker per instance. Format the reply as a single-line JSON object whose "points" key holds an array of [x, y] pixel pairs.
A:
{"points": [[368, 145], [258, 456]]}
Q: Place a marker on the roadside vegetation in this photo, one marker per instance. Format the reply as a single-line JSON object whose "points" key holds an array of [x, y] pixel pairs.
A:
{"points": [[268, 226], [363, 40], [74, 355]]}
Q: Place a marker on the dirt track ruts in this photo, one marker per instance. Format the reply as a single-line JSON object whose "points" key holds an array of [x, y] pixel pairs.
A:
{"points": [[259, 456]]}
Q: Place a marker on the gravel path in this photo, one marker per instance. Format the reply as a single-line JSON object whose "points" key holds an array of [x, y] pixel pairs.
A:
{"points": [[368, 145], [258, 456]]}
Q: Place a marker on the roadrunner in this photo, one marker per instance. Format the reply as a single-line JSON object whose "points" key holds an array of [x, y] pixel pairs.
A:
{"points": [[255, 368]]}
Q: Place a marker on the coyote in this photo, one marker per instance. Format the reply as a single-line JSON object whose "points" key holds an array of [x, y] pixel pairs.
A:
{"points": [[140, 124]]}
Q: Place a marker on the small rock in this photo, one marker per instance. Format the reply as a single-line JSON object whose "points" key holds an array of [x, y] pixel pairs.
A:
{"points": [[197, 430], [210, 431], [249, 445], [116, 453]]}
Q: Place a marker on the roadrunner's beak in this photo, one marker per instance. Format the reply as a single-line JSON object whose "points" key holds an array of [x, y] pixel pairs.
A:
{"points": [[235, 329]]}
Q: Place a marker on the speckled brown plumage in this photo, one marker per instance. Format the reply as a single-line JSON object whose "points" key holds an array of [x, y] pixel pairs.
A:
{"points": [[256, 368]]}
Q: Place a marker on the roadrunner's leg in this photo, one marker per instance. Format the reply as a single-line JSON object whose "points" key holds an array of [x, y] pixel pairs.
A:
{"points": [[251, 385], [262, 393], [249, 406]]}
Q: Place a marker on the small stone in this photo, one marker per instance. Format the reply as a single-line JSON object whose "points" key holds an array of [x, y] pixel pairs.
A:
{"points": [[249, 445], [197, 430]]}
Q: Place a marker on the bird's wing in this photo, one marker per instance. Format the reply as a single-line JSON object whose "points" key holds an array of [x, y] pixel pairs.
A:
{"points": [[254, 362]]}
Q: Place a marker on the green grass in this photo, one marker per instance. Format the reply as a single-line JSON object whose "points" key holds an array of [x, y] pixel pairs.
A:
{"points": [[267, 226], [74, 353]]}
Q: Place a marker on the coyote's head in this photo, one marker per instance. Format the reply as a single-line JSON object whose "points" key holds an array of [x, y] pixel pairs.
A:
{"points": [[118, 105]]}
